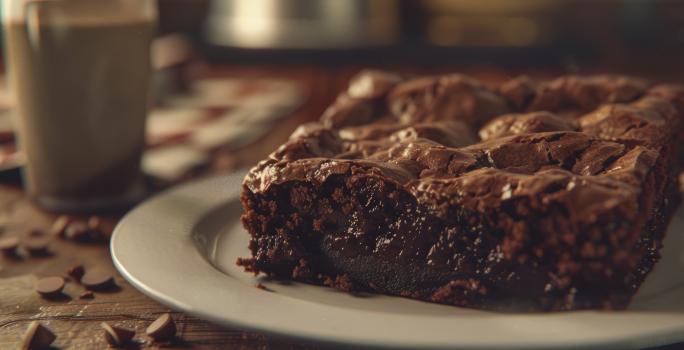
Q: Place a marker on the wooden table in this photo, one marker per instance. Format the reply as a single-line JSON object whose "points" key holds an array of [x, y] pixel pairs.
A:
{"points": [[76, 322]]}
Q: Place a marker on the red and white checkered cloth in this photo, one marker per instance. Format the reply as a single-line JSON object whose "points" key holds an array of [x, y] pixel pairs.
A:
{"points": [[183, 129]]}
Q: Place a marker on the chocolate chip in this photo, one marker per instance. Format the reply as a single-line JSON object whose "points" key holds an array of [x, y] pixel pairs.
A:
{"points": [[96, 230], [162, 329], [97, 280], [50, 287], [9, 245], [37, 337], [36, 246], [117, 336], [76, 272], [60, 225], [87, 295], [86, 232], [77, 231]]}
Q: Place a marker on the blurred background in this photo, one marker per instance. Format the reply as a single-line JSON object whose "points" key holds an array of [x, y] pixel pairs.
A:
{"points": [[230, 71], [425, 32]]}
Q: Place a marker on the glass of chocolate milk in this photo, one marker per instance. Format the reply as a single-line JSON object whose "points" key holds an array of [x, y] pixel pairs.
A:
{"points": [[79, 72]]}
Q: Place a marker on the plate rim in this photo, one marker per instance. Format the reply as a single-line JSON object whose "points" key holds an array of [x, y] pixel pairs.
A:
{"points": [[128, 270]]}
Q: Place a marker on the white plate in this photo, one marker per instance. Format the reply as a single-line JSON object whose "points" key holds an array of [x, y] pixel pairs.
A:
{"points": [[180, 249]]}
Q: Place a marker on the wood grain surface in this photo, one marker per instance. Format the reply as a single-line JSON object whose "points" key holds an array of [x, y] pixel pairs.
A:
{"points": [[76, 322]]}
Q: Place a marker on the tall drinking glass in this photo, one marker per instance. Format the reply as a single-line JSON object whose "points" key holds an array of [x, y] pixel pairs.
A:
{"points": [[79, 72]]}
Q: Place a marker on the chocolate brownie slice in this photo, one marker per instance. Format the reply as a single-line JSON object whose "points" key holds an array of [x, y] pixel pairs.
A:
{"points": [[533, 195]]}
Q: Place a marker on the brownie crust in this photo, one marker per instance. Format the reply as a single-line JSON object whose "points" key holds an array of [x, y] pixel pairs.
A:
{"points": [[530, 195]]}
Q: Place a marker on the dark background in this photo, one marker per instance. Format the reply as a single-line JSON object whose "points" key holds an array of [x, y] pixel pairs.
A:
{"points": [[620, 35]]}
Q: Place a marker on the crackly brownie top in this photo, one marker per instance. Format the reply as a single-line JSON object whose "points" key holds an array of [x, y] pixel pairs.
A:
{"points": [[586, 143]]}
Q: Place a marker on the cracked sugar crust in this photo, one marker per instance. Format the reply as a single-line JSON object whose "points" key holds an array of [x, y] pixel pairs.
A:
{"points": [[603, 152], [590, 169]]}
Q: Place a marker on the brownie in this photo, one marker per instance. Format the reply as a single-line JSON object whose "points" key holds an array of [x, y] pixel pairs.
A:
{"points": [[530, 195]]}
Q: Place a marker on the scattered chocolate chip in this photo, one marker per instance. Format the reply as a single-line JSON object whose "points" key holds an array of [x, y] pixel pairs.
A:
{"points": [[162, 329], [60, 225], [77, 231], [37, 337], [86, 232], [117, 336], [36, 246], [76, 272], [87, 295], [97, 280], [9, 245], [96, 229], [50, 287]]}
